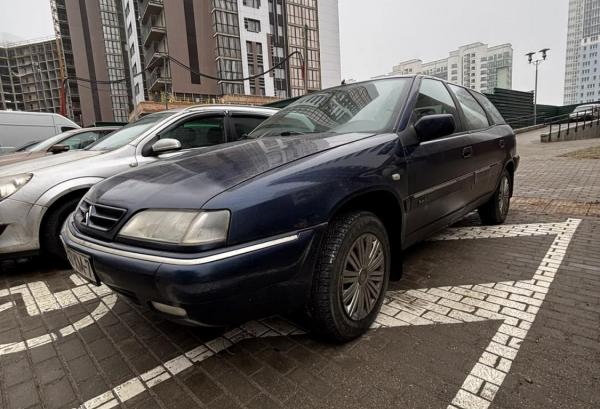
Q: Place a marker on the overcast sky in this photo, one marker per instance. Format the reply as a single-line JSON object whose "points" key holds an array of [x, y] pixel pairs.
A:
{"points": [[377, 34]]}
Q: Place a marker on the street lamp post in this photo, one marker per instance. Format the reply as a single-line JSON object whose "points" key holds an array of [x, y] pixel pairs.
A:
{"points": [[537, 63]]}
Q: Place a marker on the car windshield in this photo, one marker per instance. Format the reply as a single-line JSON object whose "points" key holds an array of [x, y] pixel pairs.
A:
{"points": [[129, 132], [370, 106]]}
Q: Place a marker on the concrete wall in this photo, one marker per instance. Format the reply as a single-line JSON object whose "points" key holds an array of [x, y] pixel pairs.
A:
{"points": [[569, 132]]}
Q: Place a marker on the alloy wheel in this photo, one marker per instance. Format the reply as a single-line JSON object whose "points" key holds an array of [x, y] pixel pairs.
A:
{"points": [[363, 276], [503, 195]]}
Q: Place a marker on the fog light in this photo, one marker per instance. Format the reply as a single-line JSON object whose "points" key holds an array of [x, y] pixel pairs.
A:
{"points": [[169, 309]]}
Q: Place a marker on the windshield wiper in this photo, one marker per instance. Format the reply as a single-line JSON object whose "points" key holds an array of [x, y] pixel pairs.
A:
{"points": [[290, 133]]}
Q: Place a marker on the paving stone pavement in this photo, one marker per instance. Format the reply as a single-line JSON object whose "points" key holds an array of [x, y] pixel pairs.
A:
{"points": [[544, 173], [502, 317]]}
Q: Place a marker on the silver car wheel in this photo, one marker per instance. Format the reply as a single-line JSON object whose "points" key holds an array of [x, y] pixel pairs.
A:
{"points": [[363, 276]]}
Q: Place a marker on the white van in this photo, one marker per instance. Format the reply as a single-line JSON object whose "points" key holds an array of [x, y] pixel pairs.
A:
{"points": [[18, 129]]}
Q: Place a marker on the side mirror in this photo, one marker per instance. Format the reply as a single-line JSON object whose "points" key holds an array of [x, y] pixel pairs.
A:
{"points": [[58, 148], [435, 126], [166, 145]]}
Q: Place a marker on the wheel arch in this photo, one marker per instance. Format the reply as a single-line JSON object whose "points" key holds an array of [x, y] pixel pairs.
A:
{"points": [[59, 194], [386, 205]]}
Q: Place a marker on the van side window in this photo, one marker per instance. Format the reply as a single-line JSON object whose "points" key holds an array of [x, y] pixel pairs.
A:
{"points": [[434, 99], [66, 128], [474, 113]]}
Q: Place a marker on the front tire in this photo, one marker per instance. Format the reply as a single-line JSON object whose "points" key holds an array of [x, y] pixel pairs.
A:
{"points": [[495, 210], [49, 236], [351, 277]]}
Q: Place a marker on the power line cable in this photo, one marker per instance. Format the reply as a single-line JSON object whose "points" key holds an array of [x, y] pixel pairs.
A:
{"points": [[201, 74]]}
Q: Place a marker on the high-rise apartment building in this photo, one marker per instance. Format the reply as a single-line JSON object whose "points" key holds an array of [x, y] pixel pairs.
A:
{"points": [[582, 76], [92, 35], [30, 76], [476, 66], [137, 50]]}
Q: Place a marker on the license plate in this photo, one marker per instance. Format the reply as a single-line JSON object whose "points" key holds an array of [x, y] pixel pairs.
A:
{"points": [[82, 265]]}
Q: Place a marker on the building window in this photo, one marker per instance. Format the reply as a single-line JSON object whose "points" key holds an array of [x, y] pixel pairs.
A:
{"points": [[252, 3], [127, 10], [129, 30], [252, 25], [137, 89]]}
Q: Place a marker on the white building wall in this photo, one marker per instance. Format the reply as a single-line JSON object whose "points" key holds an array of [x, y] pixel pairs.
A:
{"points": [[261, 14], [329, 39], [587, 88], [137, 81], [572, 90], [472, 65]]}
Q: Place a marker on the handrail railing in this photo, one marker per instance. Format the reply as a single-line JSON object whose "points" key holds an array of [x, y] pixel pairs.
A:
{"points": [[588, 117]]}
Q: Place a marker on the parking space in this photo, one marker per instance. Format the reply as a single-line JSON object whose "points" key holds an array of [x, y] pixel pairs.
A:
{"points": [[462, 327], [504, 317]]}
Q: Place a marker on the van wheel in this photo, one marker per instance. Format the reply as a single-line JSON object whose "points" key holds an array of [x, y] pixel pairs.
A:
{"points": [[351, 277], [495, 210], [49, 236]]}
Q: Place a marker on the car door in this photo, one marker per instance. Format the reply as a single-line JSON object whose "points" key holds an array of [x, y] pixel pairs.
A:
{"points": [[439, 173], [487, 142], [241, 124]]}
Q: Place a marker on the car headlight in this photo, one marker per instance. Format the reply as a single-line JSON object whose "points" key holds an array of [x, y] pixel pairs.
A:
{"points": [[10, 184], [186, 227]]}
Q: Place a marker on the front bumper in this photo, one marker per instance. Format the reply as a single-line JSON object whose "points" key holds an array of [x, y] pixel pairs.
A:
{"points": [[19, 227], [215, 288]]}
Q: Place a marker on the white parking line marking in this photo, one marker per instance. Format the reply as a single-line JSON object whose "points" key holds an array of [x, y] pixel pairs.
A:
{"points": [[38, 300], [503, 301]]}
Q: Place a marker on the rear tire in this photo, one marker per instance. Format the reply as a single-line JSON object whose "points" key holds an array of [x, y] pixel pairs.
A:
{"points": [[495, 210], [351, 277], [49, 236]]}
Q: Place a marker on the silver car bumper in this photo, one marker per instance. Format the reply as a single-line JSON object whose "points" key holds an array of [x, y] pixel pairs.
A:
{"points": [[19, 227]]}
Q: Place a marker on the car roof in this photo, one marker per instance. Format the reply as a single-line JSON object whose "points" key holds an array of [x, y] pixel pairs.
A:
{"points": [[96, 128], [230, 107]]}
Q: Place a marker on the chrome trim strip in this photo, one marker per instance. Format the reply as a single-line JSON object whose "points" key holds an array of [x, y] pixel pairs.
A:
{"points": [[180, 261]]}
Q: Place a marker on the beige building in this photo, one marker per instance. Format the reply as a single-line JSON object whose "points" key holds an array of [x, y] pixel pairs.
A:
{"points": [[476, 66]]}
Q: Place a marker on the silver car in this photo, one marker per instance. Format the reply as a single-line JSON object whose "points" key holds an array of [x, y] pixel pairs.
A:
{"points": [[36, 196]]}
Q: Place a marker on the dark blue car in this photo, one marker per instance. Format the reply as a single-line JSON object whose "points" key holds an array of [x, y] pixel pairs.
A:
{"points": [[310, 212]]}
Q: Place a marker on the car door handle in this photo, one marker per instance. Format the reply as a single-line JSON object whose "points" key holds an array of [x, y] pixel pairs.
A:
{"points": [[467, 152], [501, 143]]}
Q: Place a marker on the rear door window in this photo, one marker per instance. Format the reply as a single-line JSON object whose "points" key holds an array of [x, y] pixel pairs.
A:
{"points": [[244, 124], [474, 114], [434, 98], [490, 108], [198, 132]]}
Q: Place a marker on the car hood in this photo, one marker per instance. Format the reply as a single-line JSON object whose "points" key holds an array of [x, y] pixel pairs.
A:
{"points": [[28, 165], [190, 180], [16, 157]]}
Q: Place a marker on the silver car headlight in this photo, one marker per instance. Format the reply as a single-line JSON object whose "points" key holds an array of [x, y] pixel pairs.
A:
{"points": [[186, 227], [10, 184]]}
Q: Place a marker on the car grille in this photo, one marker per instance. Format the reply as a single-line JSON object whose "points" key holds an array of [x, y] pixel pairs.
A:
{"points": [[97, 216]]}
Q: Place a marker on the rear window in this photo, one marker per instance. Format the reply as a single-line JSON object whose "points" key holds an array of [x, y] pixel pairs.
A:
{"points": [[490, 108]]}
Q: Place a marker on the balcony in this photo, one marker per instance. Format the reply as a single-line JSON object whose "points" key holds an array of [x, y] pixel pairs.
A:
{"points": [[156, 83], [154, 59], [150, 8], [153, 31]]}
